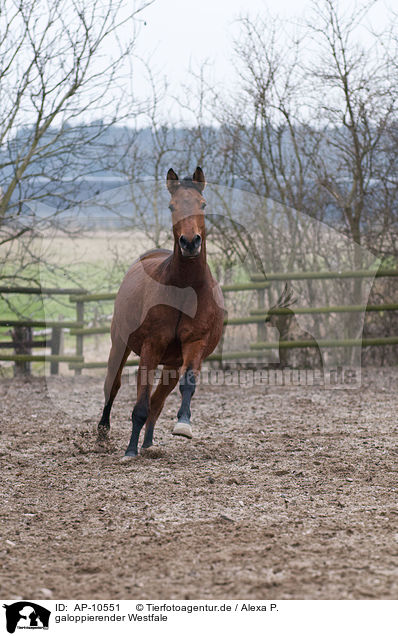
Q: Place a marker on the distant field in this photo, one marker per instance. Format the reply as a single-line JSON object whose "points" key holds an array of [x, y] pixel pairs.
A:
{"points": [[98, 263], [95, 262]]}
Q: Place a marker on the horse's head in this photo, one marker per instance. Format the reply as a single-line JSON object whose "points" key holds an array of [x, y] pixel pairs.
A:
{"points": [[187, 210], [280, 315]]}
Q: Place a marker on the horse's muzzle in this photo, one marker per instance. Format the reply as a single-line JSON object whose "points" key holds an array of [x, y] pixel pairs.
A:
{"points": [[190, 249]]}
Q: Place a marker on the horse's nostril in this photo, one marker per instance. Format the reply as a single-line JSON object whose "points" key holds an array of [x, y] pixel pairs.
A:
{"points": [[190, 245]]}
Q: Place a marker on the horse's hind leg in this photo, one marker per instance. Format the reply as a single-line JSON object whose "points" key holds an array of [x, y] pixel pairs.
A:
{"points": [[117, 359], [166, 384]]}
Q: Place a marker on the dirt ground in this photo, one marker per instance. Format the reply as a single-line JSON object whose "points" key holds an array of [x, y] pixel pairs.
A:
{"points": [[284, 493]]}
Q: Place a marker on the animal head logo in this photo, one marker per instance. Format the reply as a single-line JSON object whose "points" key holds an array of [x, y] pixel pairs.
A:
{"points": [[26, 615], [280, 313]]}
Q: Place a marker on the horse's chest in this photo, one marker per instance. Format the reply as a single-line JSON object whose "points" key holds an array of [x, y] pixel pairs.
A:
{"points": [[194, 327]]}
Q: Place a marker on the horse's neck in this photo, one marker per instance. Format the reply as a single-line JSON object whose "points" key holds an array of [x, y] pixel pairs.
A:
{"points": [[184, 272]]}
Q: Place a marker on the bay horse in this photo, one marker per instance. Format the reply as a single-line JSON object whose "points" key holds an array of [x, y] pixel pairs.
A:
{"points": [[169, 310]]}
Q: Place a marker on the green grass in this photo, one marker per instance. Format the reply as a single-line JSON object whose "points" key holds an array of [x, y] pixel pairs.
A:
{"points": [[95, 267]]}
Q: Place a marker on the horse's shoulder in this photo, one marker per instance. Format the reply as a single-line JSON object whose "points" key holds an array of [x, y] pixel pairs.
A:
{"points": [[214, 289], [154, 253], [150, 259]]}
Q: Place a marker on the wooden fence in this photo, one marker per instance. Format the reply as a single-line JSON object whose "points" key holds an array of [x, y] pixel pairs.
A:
{"points": [[23, 338], [79, 328]]}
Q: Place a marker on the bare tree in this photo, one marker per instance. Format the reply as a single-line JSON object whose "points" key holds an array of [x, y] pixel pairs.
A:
{"points": [[64, 79], [355, 96], [355, 84], [311, 126]]}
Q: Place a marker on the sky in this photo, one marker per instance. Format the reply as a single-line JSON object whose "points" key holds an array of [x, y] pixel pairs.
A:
{"points": [[178, 34]]}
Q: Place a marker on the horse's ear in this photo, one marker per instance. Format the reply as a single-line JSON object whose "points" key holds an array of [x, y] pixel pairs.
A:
{"points": [[172, 181], [198, 177]]}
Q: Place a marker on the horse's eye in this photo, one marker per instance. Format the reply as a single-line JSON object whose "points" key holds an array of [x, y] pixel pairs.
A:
{"points": [[171, 208], [202, 207]]}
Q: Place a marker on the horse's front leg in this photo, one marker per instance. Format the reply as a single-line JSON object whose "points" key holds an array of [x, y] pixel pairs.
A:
{"points": [[166, 384], [149, 360], [192, 362]]}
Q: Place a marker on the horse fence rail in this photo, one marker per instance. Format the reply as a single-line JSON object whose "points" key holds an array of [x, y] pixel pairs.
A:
{"points": [[24, 339], [80, 329]]}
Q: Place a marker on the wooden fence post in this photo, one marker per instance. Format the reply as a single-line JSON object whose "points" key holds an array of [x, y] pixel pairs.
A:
{"points": [[79, 337], [22, 339], [56, 334], [261, 333]]}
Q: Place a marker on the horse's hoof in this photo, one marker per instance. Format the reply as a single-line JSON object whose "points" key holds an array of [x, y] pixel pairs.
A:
{"points": [[126, 459], [183, 430]]}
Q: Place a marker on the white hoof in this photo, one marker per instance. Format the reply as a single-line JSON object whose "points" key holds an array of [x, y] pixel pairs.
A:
{"points": [[183, 429], [127, 459]]}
